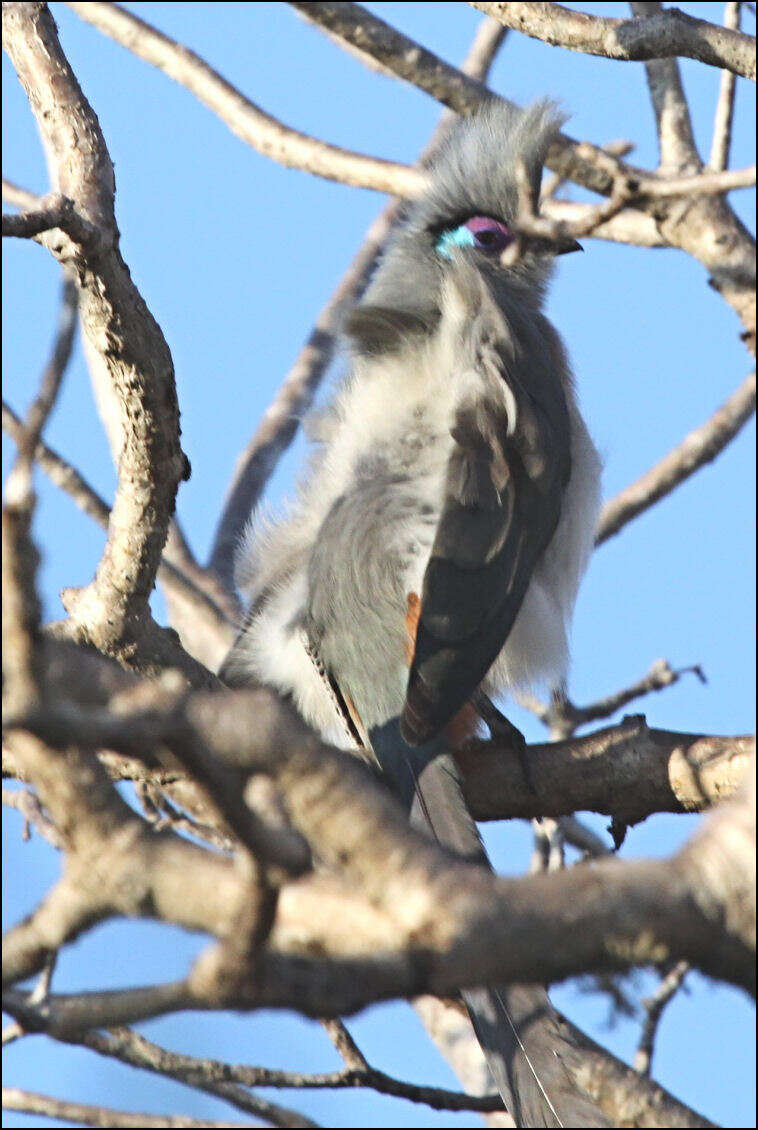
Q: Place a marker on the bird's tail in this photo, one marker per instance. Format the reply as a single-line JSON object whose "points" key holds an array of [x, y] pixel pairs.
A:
{"points": [[516, 1026]]}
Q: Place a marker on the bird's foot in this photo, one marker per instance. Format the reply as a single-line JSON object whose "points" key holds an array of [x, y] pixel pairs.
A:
{"points": [[501, 727]]}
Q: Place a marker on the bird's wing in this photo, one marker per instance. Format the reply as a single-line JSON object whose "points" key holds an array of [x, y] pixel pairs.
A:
{"points": [[505, 479]]}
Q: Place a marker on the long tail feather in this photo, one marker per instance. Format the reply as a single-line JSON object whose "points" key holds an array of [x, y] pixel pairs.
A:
{"points": [[516, 1025]]}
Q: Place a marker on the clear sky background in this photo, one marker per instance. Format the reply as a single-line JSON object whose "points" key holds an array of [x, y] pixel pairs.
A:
{"points": [[235, 256]]}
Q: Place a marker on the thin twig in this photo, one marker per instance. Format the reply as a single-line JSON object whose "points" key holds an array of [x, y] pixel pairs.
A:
{"points": [[563, 717], [226, 1080], [722, 124], [36, 417], [21, 606], [20, 197], [46, 1106], [211, 1076], [345, 1045], [65, 476], [25, 802], [654, 1007], [701, 446]]}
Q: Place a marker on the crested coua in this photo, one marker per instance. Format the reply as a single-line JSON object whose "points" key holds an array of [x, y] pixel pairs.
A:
{"points": [[437, 542]]}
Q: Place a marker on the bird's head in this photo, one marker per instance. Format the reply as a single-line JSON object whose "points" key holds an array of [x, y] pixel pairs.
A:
{"points": [[466, 214]]}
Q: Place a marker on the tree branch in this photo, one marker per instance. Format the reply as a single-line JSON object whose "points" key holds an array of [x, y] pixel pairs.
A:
{"points": [[701, 446], [85, 1114], [722, 125], [654, 1006], [132, 1048], [670, 33], [676, 139], [68, 479], [112, 612], [563, 717], [249, 122], [355, 26], [355, 827]]}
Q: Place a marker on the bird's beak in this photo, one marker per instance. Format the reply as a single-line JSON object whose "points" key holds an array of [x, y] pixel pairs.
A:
{"points": [[562, 247]]}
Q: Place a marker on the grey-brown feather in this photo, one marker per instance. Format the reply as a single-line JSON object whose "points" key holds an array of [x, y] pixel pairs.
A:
{"points": [[506, 476]]}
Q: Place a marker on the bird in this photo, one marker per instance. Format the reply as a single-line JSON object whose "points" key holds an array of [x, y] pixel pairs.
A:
{"points": [[433, 551]]}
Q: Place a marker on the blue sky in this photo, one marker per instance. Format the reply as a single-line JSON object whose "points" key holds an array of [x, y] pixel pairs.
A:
{"points": [[235, 257]]}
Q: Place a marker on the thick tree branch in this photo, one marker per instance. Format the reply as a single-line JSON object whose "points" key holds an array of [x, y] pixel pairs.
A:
{"points": [[672, 32], [112, 612], [626, 771], [355, 827]]}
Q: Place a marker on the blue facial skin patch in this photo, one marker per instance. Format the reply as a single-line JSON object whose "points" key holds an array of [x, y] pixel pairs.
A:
{"points": [[458, 237]]}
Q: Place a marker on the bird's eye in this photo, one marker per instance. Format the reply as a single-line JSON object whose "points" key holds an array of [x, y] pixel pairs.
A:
{"points": [[483, 232]]}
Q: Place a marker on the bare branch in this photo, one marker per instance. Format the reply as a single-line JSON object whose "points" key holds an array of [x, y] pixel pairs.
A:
{"points": [[112, 612], [22, 613], [30, 431], [699, 447], [216, 1077], [576, 833], [54, 211], [223, 1080], [635, 771], [563, 717], [25, 802], [356, 828], [628, 771], [60, 472], [630, 226], [628, 1098], [106, 843], [722, 125], [68, 479], [654, 1008], [489, 38], [471, 926], [670, 33], [409, 60], [20, 197], [249, 122], [84, 1114], [676, 139]]}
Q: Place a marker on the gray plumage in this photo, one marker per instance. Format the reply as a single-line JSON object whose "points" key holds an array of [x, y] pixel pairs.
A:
{"points": [[453, 463]]}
